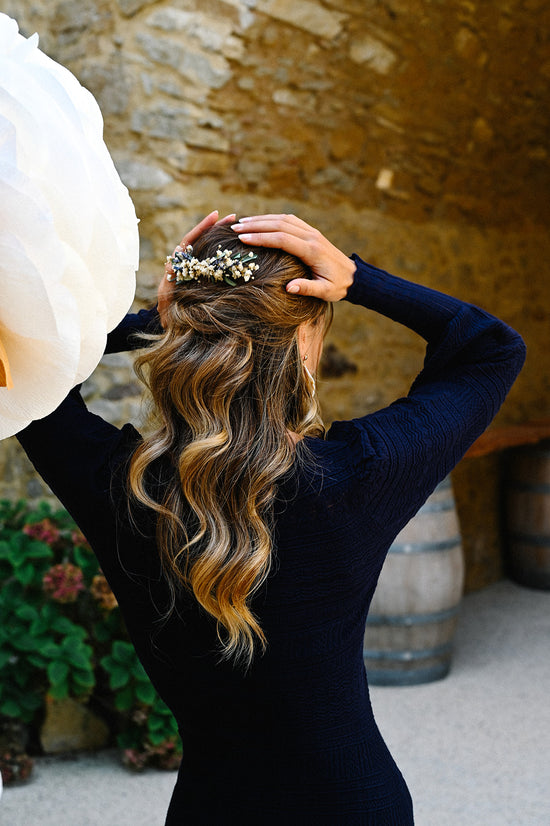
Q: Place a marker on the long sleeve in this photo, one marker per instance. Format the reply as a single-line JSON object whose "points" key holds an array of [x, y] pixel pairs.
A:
{"points": [[472, 359], [77, 452], [74, 450]]}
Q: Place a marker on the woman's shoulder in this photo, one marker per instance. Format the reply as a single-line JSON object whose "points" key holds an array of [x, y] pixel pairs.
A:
{"points": [[338, 457]]}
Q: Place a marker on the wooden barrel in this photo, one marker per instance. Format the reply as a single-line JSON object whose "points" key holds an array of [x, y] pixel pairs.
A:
{"points": [[412, 619], [528, 516]]}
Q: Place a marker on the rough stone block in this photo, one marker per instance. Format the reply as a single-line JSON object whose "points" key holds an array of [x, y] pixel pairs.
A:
{"points": [[162, 123], [73, 20], [346, 141], [306, 15], [36, 489], [482, 132], [374, 53], [206, 139], [114, 360], [131, 7], [106, 409], [121, 391], [209, 163], [467, 44], [296, 100], [241, 11], [138, 175], [69, 726], [233, 48], [110, 84], [197, 66], [207, 31]]}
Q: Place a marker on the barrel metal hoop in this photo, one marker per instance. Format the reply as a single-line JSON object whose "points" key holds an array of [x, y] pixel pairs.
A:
{"points": [[409, 655], [528, 539], [529, 487], [412, 676], [425, 547], [413, 619], [541, 450]]}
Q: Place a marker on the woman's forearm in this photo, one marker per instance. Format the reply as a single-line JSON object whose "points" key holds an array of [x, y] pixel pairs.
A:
{"points": [[459, 335]]}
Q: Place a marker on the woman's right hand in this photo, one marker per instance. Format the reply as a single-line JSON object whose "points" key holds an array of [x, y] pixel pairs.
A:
{"points": [[332, 270], [191, 236]]}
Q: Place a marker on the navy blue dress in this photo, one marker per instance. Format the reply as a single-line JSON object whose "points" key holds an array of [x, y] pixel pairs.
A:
{"points": [[294, 740]]}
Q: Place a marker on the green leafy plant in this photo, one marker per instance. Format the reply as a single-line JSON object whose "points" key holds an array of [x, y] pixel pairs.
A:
{"points": [[62, 635]]}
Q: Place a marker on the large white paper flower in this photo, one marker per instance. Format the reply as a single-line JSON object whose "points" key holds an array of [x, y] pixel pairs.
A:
{"points": [[68, 233]]}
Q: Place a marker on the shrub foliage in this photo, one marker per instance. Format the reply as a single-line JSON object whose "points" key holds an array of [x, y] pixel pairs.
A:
{"points": [[62, 635]]}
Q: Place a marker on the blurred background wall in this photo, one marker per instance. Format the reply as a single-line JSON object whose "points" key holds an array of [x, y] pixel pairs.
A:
{"points": [[413, 133]]}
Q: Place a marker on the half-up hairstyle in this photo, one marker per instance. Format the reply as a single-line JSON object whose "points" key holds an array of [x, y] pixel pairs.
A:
{"points": [[228, 386]]}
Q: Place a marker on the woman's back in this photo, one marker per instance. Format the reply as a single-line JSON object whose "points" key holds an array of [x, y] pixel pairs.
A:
{"points": [[291, 739]]}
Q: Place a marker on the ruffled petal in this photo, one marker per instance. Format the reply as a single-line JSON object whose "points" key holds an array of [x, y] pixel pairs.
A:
{"points": [[68, 233]]}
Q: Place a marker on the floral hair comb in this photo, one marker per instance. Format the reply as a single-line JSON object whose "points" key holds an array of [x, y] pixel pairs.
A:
{"points": [[224, 266]]}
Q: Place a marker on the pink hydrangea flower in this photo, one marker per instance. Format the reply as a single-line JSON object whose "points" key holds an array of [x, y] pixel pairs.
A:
{"points": [[79, 540], [63, 582], [45, 531], [134, 759]]}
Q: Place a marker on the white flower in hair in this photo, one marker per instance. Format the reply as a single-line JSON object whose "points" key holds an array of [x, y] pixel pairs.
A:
{"points": [[68, 233], [227, 266]]}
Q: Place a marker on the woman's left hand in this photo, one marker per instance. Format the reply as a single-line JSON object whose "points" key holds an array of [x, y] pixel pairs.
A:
{"points": [[332, 271]]}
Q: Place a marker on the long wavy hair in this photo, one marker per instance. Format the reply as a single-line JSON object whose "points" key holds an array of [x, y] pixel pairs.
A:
{"points": [[228, 386]]}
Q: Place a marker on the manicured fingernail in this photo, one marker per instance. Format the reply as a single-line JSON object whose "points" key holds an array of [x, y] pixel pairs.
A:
{"points": [[293, 288], [246, 237]]}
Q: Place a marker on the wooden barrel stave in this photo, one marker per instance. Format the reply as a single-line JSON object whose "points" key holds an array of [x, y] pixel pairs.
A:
{"points": [[413, 615], [528, 516]]}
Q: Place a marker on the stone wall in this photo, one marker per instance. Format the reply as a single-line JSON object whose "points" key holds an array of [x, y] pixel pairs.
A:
{"points": [[414, 133]]}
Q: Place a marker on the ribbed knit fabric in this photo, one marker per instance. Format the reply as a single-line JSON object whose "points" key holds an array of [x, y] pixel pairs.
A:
{"points": [[293, 741]]}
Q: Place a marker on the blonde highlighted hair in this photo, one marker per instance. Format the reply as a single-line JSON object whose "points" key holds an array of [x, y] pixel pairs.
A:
{"points": [[228, 387]]}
